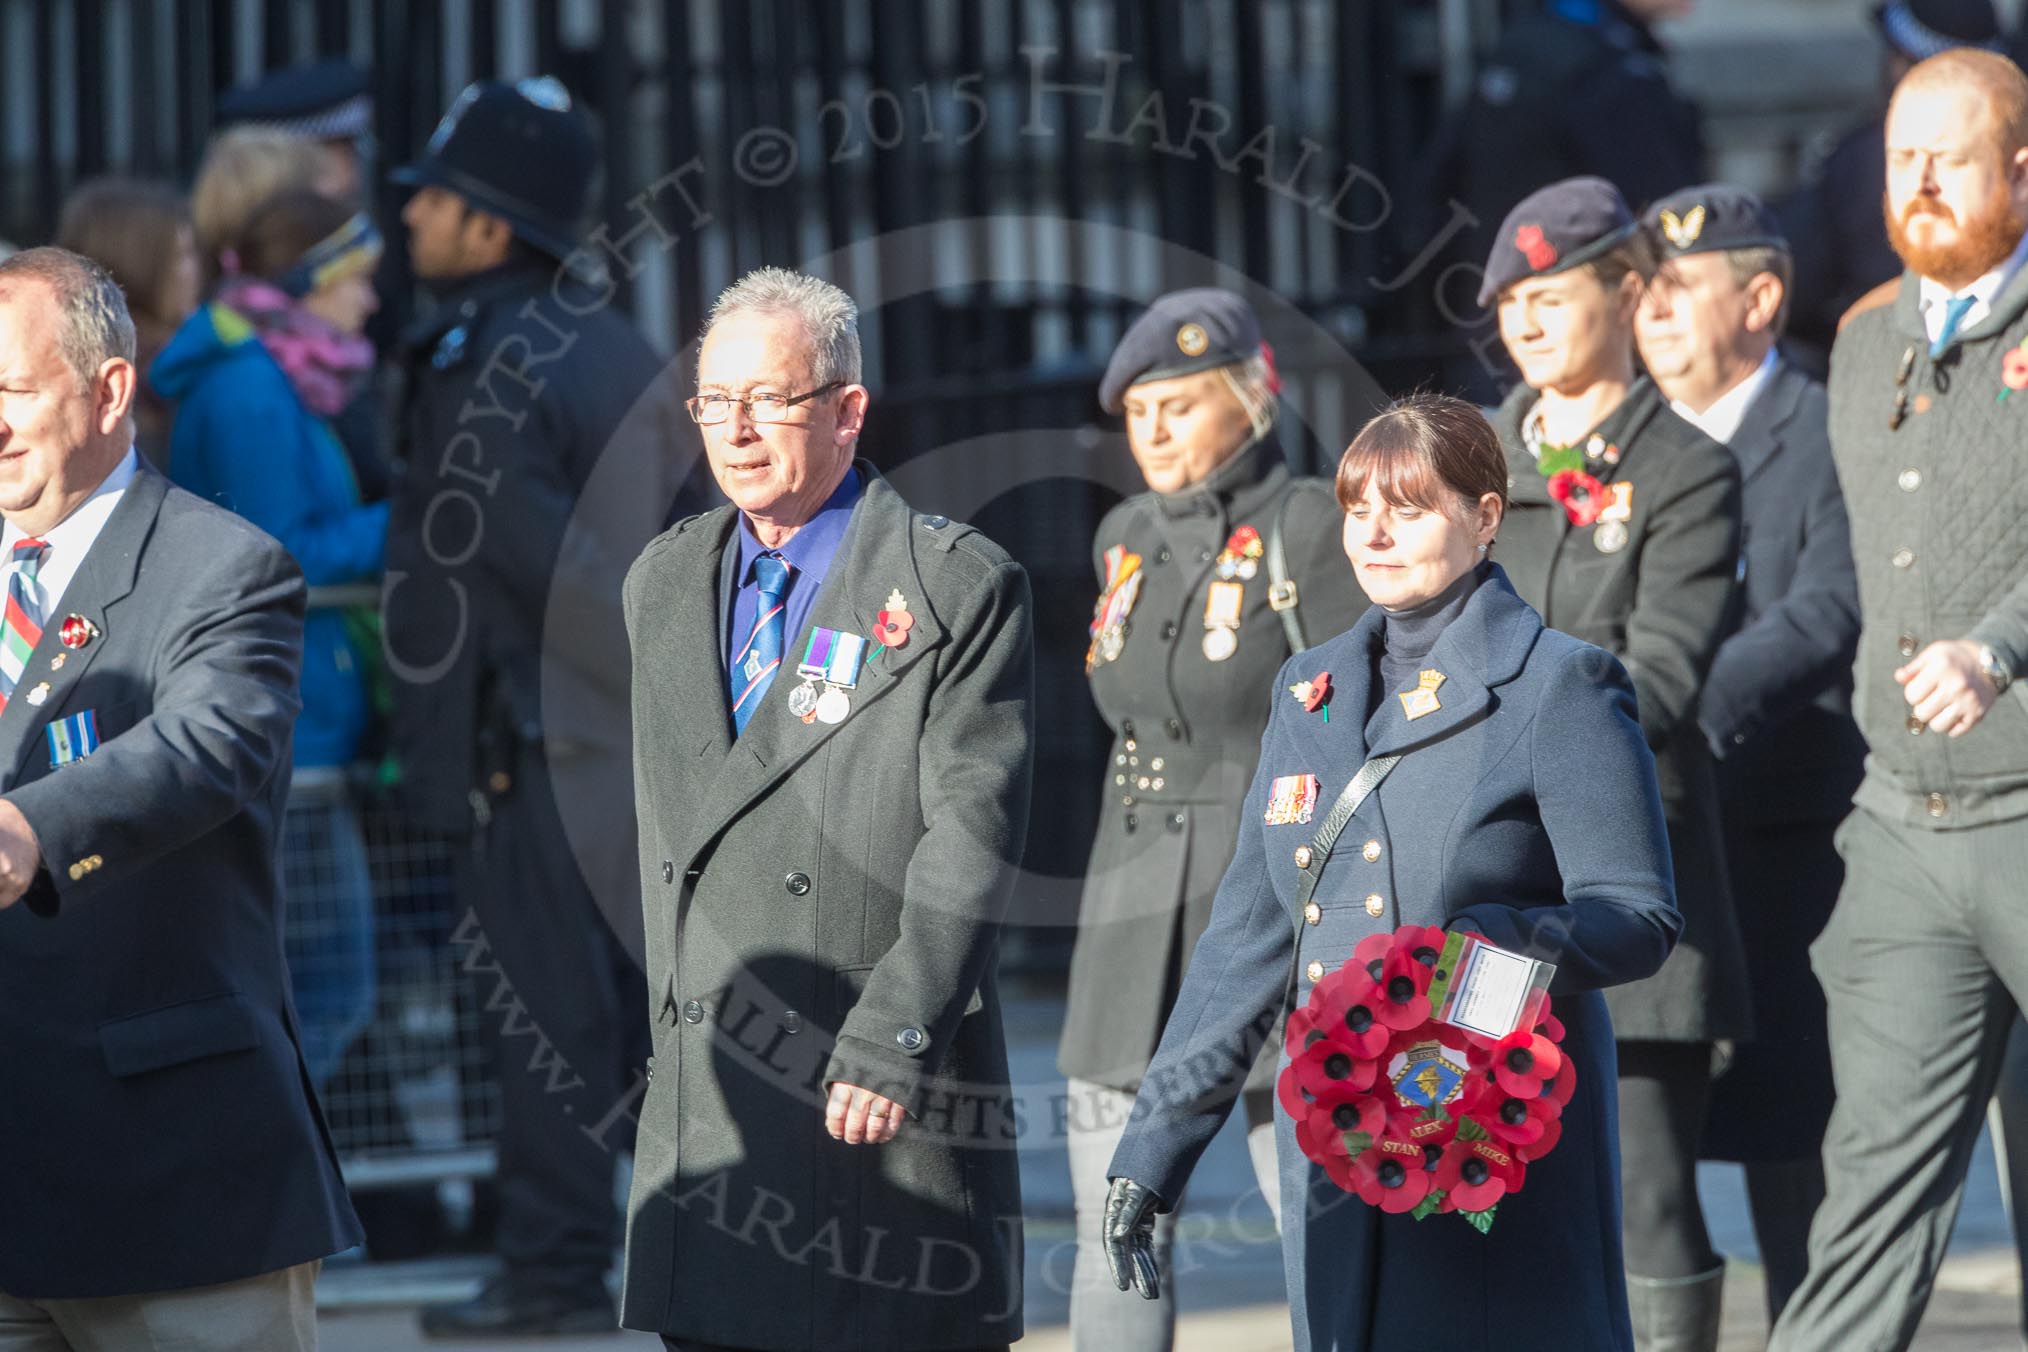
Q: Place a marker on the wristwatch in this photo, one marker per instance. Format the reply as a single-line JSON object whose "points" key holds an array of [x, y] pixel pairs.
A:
{"points": [[1995, 670]]}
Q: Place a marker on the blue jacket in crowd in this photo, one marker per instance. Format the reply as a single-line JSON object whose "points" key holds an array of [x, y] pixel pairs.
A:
{"points": [[244, 439]]}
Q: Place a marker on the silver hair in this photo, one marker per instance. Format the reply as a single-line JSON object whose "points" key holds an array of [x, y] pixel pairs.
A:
{"points": [[93, 325], [1252, 384], [826, 312]]}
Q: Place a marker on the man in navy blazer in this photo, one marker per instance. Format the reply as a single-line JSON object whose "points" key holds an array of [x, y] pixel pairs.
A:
{"points": [[168, 1180], [1777, 705]]}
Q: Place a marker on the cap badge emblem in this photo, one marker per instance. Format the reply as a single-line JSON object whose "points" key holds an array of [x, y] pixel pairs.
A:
{"points": [[1191, 340]]}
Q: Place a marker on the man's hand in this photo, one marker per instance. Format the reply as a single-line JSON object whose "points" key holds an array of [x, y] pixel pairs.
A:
{"points": [[20, 854], [858, 1116], [1945, 687]]}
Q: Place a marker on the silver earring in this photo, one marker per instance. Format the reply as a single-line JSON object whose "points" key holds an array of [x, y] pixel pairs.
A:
{"points": [[1482, 549]]}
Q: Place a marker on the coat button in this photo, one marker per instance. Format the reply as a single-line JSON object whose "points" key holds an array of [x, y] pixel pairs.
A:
{"points": [[1175, 729], [1204, 556], [1910, 480], [1163, 555], [693, 1012], [1127, 730], [911, 1039], [668, 870], [1905, 645], [1175, 821], [1375, 904], [1168, 629], [1315, 971], [1302, 856], [1132, 821], [1938, 805], [651, 1067], [1904, 558], [1915, 726], [797, 883], [1312, 913], [1370, 851], [792, 1022]]}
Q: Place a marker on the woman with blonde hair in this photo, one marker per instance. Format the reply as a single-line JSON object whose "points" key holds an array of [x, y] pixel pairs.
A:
{"points": [[244, 168]]}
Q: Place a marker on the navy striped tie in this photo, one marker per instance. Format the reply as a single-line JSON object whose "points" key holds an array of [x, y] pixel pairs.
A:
{"points": [[755, 663]]}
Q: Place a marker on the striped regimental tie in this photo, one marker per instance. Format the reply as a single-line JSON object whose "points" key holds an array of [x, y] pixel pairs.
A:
{"points": [[755, 663], [22, 629]]}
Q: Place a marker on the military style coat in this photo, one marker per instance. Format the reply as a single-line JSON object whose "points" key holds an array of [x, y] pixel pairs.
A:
{"points": [[822, 903], [1659, 589], [1777, 711], [1501, 818], [1186, 731]]}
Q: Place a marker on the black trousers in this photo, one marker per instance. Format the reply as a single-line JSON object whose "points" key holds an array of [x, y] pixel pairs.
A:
{"points": [[563, 1013]]}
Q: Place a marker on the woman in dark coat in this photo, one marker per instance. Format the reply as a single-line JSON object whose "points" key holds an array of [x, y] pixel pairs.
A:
{"points": [[1523, 807], [1186, 699], [1624, 531]]}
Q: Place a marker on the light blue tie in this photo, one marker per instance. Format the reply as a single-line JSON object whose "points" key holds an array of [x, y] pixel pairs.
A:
{"points": [[1954, 315], [755, 664]]}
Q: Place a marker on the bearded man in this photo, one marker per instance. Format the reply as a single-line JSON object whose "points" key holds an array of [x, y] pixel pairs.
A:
{"points": [[1925, 958]]}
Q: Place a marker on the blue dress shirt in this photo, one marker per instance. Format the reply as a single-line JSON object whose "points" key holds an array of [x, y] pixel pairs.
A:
{"points": [[808, 553]]}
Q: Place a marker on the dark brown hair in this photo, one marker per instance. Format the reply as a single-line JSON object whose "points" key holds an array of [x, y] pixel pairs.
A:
{"points": [[287, 226], [130, 227], [1428, 451]]}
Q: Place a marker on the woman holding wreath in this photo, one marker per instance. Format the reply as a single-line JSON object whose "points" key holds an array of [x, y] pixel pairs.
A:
{"points": [[1522, 806], [1625, 532]]}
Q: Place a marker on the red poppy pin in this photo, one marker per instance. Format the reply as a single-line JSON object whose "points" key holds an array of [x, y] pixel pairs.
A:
{"points": [[1582, 496], [2014, 370], [1540, 253], [891, 625], [1314, 694], [77, 631]]}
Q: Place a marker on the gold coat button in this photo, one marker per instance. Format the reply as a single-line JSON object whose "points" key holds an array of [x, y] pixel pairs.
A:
{"points": [[1375, 904], [1313, 913], [1904, 558], [1905, 645], [1938, 805], [1315, 971], [76, 872], [1910, 480], [1915, 726], [1302, 856], [1371, 851]]}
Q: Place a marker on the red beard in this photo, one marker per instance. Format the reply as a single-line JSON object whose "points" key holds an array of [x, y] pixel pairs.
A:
{"points": [[1982, 244]]}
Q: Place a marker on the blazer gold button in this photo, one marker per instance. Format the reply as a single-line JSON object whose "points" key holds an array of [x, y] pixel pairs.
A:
{"points": [[1313, 913], [76, 872], [1315, 971], [1938, 805], [1302, 856], [1910, 480], [1904, 558], [798, 884], [1905, 645], [1375, 904], [1915, 726], [1371, 851]]}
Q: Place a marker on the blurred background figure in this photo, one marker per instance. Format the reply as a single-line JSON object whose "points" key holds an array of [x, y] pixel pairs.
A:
{"points": [[1841, 249], [140, 231], [1185, 646], [1623, 530], [256, 376], [1776, 709], [325, 103], [242, 170]]}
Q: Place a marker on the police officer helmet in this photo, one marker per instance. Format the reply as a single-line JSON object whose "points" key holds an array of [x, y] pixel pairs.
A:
{"points": [[519, 152]]}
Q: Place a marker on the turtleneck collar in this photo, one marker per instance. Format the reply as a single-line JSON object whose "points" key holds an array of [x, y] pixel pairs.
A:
{"points": [[1249, 465], [1410, 634]]}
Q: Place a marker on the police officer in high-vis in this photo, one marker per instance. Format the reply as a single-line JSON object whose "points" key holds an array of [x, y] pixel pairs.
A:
{"points": [[1207, 582], [538, 440]]}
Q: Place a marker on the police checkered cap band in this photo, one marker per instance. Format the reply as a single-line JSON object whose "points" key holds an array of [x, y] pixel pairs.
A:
{"points": [[1916, 39], [347, 121]]}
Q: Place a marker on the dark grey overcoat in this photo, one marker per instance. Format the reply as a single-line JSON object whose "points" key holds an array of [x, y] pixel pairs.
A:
{"points": [[1662, 604], [1186, 731], [1497, 820], [822, 903]]}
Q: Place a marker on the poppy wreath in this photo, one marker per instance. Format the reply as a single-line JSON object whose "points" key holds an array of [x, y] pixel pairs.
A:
{"points": [[1582, 496], [1464, 1148]]}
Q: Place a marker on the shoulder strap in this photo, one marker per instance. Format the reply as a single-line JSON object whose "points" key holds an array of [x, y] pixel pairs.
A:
{"points": [[1283, 595]]}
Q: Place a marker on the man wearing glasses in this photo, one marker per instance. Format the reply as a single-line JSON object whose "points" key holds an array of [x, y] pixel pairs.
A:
{"points": [[832, 736]]}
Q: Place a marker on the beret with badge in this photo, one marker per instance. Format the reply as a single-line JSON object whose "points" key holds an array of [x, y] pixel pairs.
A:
{"points": [[1182, 332], [1711, 218], [1554, 229]]}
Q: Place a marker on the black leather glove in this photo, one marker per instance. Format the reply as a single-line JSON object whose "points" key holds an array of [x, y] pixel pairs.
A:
{"points": [[1130, 1237]]}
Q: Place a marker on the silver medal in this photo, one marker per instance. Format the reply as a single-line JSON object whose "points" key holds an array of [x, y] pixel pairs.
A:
{"points": [[1220, 644], [833, 705], [1247, 570], [1610, 537], [1110, 640], [803, 699], [1226, 569]]}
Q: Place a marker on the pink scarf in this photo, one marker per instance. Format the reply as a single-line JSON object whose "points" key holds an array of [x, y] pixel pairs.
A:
{"points": [[324, 364]]}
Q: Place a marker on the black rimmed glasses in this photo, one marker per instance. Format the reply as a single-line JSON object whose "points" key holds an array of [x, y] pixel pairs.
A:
{"points": [[711, 409]]}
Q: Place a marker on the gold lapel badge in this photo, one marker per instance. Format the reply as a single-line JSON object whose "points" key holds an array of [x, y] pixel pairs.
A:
{"points": [[1423, 699]]}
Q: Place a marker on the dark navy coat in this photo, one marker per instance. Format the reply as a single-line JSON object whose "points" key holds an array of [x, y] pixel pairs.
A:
{"points": [[1777, 709], [1525, 808]]}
